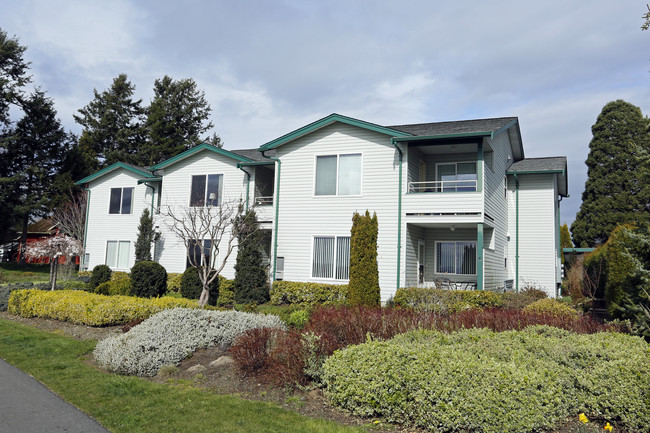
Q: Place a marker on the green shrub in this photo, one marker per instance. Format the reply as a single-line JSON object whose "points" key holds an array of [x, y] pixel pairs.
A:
{"points": [[148, 279], [553, 308], [445, 301], [174, 282], [90, 309], [517, 301], [298, 319], [620, 264], [479, 380], [251, 279], [363, 288], [85, 273], [191, 286], [101, 274], [115, 287], [226, 292], [75, 285], [595, 276], [306, 294]]}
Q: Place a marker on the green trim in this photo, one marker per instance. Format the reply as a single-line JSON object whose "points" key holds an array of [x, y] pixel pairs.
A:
{"points": [[199, 148], [153, 179], [516, 234], [327, 121], [277, 209], [86, 229], [112, 167], [537, 172], [559, 251], [248, 184], [577, 250], [445, 136], [479, 167], [479, 256], [399, 213]]}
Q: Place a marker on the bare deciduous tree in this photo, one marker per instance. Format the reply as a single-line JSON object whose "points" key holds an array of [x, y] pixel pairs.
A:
{"points": [[209, 234], [53, 248], [71, 217]]}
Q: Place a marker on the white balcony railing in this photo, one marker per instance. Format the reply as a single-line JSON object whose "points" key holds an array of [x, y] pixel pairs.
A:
{"points": [[264, 201], [443, 186]]}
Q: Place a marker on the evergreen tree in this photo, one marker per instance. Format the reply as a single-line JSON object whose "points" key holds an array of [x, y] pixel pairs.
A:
{"points": [[251, 281], [565, 239], [364, 272], [113, 124], [176, 119], [146, 237], [615, 191]]}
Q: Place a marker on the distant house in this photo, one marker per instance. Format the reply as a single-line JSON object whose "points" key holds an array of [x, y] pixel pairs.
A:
{"points": [[456, 202], [42, 229]]}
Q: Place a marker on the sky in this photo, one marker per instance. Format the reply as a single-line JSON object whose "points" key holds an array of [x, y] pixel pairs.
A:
{"points": [[269, 67]]}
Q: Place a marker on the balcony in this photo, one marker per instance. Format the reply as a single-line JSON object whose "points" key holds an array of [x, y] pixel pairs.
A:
{"points": [[443, 186]]}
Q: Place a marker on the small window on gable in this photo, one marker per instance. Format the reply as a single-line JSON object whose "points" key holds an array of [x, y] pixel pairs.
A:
{"points": [[121, 201], [206, 190], [338, 175]]}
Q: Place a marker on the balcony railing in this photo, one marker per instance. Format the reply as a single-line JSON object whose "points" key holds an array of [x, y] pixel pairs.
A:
{"points": [[264, 201], [443, 186]]}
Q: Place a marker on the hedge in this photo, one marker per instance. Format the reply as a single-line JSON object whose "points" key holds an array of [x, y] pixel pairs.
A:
{"points": [[451, 301], [88, 308], [553, 308], [483, 381], [306, 294]]}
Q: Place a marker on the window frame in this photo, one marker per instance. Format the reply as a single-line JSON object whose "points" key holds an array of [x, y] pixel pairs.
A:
{"points": [[206, 176], [335, 257], [121, 209], [117, 254], [338, 171], [455, 242]]}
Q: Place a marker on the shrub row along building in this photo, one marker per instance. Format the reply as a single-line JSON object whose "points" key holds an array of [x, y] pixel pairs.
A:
{"points": [[456, 202]]}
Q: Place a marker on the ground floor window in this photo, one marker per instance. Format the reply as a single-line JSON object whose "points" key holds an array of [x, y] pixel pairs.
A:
{"points": [[198, 252], [331, 257], [117, 254], [456, 257]]}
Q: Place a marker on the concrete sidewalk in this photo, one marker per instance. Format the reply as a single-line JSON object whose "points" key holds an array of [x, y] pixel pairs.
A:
{"points": [[27, 406]]}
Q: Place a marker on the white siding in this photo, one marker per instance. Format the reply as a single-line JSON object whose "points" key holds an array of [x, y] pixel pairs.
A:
{"points": [[303, 215], [537, 241], [102, 226], [176, 194]]}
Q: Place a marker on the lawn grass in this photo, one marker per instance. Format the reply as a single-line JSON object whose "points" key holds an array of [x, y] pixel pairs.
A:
{"points": [[131, 404], [12, 272]]}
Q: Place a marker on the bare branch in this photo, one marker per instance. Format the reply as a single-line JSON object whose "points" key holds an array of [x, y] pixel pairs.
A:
{"points": [[71, 217]]}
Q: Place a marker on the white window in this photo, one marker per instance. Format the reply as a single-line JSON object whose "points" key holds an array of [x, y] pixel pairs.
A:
{"points": [[456, 257], [117, 254], [331, 257], [206, 190], [121, 201], [457, 176], [338, 175], [198, 252]]}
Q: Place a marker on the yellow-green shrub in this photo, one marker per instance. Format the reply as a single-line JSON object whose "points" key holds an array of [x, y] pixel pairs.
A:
{"points": [[290, 292], [115, 287], [226, 292], [173, 281], [553, 308], [88, 308], [119, 275], [446, 300], [85, 273]]}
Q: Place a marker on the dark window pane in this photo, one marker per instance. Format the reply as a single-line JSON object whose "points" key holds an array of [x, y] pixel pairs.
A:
{"points": [[116, 198], [127, 198], [326, 175], [207, 248], [214, 182], [194, 253], [197, 196]]}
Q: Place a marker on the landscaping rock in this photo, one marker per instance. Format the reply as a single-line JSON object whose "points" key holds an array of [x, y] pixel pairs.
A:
{"points": [[222, 361], [196, 369]]}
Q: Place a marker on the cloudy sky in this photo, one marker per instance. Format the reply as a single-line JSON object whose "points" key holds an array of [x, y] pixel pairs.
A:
{"points": [[268, 67]]}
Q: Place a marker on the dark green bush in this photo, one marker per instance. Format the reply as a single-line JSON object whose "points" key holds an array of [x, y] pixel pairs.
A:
{"points": [[306, 294], [75, 285], [363, 288], [101, 274], [148, 279], [251, 279], [191, 286]]}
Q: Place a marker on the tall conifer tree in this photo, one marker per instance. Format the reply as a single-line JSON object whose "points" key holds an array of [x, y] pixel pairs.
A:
{"points": [[615, 191], [251, 283], [364, 272]]}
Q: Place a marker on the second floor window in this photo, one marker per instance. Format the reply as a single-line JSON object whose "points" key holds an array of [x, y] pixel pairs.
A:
{"points": [[121, 201], [338, 175], [457, 176], [206, 190]]}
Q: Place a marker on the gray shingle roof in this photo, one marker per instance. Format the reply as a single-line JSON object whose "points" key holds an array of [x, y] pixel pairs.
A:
{"points": [[254, 154], [553, 163], [456, 127]]}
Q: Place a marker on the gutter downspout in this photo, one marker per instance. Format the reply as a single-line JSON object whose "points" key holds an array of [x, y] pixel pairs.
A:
{"points": [[516, 234], [86, 229], [248, 184], [399, 212], [277, 209], [559, 249]]}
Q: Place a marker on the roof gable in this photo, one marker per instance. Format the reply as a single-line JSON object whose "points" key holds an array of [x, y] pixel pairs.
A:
{"points": [[140, 171], [325, 121], [199, 148], [556, 165]]}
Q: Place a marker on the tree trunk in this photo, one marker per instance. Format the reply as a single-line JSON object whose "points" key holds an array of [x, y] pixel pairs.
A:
{"points": [[203, 299], [23, 241], [56, 270]]}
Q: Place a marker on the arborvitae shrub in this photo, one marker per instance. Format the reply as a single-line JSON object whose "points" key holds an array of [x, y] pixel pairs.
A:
{"points": [[101, 274], [251, 280], [191, 286], [364, 272], [148, 279], [620, 265]]}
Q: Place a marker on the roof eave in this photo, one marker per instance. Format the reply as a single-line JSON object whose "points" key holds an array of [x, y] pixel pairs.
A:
{"points": [[445, 136], [109, 169], [197, 149]]}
